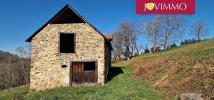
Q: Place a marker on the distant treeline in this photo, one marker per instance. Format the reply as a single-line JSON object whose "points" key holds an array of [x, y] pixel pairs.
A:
{"points": [[174, 45], [189, 41], [14, 70]]}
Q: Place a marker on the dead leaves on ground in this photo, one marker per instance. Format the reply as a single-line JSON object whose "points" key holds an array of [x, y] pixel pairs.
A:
{"points": [[160, 72]]}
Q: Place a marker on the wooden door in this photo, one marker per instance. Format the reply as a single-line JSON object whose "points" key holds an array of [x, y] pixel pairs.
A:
{"points": [[77, 73], [83, 72]]}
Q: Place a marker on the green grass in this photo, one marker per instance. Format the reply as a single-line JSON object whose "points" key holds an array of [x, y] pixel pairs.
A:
{"points": [[10, 94], [186, 58], [122, 87]]}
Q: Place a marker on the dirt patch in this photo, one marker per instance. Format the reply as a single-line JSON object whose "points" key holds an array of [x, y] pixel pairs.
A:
{"points": [[199, 68], [149, 68], [165, 79], [185, 83]]}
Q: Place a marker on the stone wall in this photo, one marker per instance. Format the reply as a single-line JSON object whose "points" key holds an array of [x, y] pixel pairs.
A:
{"points": [[46, 71]]}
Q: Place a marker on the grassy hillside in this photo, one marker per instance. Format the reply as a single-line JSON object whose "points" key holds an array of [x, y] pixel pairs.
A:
{"points": [[123, 86], [189, 68]]}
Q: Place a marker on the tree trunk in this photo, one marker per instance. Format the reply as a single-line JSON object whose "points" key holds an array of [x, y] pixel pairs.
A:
{"points": [[165, 41], [126, 47], [198, 36], [138, 53], [164, 45]]}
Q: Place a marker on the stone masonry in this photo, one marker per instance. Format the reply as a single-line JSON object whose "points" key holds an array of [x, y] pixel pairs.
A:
{"points": [[46, 70]]}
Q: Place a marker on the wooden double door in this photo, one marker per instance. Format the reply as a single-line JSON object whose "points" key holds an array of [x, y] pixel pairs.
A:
{"points": [[83, 73]]}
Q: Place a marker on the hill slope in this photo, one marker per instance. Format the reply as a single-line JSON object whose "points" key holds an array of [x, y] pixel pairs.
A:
{"points": [[189, 68], [123, 86]]}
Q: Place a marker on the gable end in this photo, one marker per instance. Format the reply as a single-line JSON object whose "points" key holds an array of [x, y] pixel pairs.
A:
{"points": [[67, 15]]}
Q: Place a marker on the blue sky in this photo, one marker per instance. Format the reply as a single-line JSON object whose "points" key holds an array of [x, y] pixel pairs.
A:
{"points": [[20, 18]]}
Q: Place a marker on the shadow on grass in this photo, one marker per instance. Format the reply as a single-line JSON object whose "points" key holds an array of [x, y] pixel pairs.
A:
{"points": [[114, 71]]}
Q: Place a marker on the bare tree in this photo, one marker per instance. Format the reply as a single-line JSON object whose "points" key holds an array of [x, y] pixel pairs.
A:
{"points": [[28, 50], [21, 52], [124, 30], [134, 50], [126, 40], [199, 29], [117, 45], [152, 30], [171, 29]]}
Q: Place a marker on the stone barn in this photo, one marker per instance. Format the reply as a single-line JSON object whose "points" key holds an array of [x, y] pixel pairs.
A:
{"points": [[68, 51]]}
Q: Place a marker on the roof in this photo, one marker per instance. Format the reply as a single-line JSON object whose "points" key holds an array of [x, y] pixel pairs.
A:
{"points": [[56, 16], [108, 36]]}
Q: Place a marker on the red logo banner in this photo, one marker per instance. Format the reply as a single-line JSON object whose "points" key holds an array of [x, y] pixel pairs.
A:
{"points": [[165, 6]]}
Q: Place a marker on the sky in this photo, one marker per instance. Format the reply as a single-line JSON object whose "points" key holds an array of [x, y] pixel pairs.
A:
{"points": [[19, 19]]}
